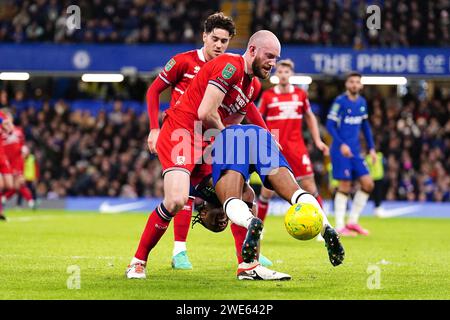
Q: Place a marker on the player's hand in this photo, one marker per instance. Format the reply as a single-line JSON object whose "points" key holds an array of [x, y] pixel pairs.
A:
{"points": [[323, 147], [152, 139], [373, 155], [346, 151]]}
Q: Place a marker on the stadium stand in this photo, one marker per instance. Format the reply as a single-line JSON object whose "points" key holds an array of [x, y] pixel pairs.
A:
{"points": [[96, 133]]}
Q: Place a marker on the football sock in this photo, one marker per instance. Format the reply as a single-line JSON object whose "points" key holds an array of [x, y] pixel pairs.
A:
{"points": [[239, 234], [178, 246], [263, 206], [156, 226], [181, 224], [340, 206], [238, 212], [358, 204], [8, 194], [306, 197], [26, 193]]}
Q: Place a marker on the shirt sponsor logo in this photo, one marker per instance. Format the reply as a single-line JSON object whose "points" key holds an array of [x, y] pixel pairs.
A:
{"points": [[353, 120]]}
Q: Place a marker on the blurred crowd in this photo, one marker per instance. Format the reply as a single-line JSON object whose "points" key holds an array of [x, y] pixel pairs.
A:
{"points": [[103, 21], [322, 22], [414, 136], [83, 155], [404, 23], [106, 154]]}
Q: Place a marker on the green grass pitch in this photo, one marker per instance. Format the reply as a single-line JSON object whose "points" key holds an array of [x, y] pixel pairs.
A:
{"points": [[404, 258]]}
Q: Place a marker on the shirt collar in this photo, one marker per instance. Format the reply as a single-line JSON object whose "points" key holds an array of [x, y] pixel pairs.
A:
{"points": [[200, 54]]}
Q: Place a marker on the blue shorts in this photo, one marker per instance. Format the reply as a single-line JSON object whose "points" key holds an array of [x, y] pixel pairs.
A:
{"points": [[245, 149], [347, 168]]}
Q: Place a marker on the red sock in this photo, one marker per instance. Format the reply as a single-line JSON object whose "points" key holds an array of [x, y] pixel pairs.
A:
{"points": [[8, 194], [239, 234], [319, 200], [26, 193], [182, 221], [263, 206], [156, 225]]}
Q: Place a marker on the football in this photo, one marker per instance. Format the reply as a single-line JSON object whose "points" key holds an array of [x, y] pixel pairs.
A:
{"points": [[303, 221]]}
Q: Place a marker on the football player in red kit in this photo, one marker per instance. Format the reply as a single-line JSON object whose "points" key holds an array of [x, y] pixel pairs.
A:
{"points": [[6, 178], [14, 144], [178, 74], [283, 107], [221, 93]]}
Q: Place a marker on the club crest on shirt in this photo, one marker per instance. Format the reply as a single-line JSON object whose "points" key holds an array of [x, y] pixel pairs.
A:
{"points": [[228, 71], [170, 64], [180, 160], [196, 69]]}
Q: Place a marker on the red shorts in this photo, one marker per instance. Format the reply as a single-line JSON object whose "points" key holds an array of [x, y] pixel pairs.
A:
{"points": [[179, 149], [5, 167], [17, 165], [300, 163]]}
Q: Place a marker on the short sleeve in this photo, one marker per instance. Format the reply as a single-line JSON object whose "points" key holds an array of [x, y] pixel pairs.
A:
{"points": [[307, 105], [334, 111], [173, 70], [225, 73]]}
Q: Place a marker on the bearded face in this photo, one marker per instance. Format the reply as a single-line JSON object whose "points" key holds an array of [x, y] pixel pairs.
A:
{"points": [[261, 69]]}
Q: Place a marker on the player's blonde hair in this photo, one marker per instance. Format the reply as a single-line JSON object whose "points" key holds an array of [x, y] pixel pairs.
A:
{"points": [[286, 63]]}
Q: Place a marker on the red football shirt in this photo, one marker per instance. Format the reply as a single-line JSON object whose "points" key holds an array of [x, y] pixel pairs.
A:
{"points": [[228, 73], [180, 70], [13, 143], [284, 111]]}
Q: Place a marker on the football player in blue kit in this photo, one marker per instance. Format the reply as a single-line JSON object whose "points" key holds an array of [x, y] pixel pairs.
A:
{"points": [[346, 118], [239, 150]]}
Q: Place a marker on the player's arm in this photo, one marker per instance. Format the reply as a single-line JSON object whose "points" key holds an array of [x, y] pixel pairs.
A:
{"points": [[254, 116], [263, 105], [313, 127], [168, 76], [333, 119], [208, 109], [369, 138], [152, 97]]}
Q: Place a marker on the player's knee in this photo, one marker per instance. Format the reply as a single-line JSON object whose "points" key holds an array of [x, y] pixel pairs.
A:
{"points": [[368, 186], [175, 203]]}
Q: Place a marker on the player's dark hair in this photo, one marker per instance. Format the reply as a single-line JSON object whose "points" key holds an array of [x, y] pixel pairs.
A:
{"points": [[352, 74], [220, 21]]}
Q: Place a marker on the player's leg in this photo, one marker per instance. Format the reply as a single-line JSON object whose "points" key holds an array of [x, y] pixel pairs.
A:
{"points": [[263, 202], [358, 204], [340, 207], [239, 232], [378, 197], [181, 226], [308, 184], [284, 184], [182, 222], [176, 194], [2, 186]]}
